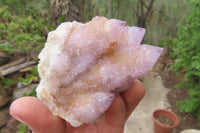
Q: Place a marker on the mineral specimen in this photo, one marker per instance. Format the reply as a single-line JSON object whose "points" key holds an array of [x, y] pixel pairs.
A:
{"points": [[82, 65]]}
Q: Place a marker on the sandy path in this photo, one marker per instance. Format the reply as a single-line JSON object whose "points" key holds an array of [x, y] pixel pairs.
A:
{"points": [[140, 120]]}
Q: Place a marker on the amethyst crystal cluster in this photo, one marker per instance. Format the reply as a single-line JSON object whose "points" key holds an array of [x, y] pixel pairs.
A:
{"points": [[82, 65]]}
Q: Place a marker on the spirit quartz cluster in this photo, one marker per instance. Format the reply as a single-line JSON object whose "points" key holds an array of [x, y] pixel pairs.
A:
{"points": [[82, 65]]}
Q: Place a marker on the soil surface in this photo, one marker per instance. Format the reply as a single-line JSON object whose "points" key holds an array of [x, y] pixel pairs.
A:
{"points": [[165, 120], [169, 78]]}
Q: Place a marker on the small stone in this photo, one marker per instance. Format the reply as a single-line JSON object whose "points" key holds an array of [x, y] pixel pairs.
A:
{"points": [[12, 125], [4, 100], [4, 116], [5, 130], [20, 85], [18, 92], [4, 58], [190, 131]]}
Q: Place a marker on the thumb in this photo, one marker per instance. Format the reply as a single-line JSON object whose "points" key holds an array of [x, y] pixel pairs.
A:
{"points": [[36, 115]]}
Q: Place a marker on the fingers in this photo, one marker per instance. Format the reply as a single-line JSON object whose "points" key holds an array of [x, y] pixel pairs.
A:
{"points": [[116, 113], [115, 117], [121, 107], [133, 96], [34, 113]]}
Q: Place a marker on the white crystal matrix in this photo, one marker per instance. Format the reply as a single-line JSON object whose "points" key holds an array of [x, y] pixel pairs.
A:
{"points": [[82, 65]]}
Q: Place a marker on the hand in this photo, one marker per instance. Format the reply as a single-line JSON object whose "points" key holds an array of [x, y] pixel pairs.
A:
{"points": [[36, 115]]}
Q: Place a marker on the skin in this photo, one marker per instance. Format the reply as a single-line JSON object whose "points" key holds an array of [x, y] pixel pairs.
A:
{"points": [[36, 115]]}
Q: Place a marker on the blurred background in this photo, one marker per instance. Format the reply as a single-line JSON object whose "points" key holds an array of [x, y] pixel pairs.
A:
{"points": [[172, 24]]}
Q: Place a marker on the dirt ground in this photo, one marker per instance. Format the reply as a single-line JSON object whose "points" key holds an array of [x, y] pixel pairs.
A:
{"points": [[169, 80]]}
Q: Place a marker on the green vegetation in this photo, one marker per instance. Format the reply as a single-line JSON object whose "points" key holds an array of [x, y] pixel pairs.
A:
{"points": [[30, 77], [24, 24], [28, 80], [22, 31], [186, 50], [7, 82], [34, 71], [33, 93], [22, 128]]}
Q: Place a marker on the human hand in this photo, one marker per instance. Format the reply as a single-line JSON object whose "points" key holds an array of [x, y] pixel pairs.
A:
{"points": [[36, 115]]}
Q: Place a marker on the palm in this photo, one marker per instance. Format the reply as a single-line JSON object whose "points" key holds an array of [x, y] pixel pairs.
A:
{"points": [[33, 112]]}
